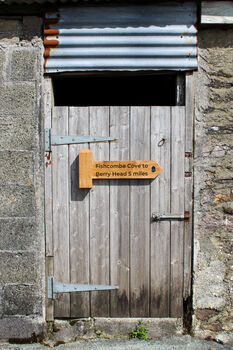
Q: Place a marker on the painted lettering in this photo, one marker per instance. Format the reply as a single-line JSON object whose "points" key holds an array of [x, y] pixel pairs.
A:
{"points": [[131, 166]]}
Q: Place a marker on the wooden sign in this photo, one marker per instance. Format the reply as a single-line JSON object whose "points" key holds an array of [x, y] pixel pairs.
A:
{"points": [[121, 169]]}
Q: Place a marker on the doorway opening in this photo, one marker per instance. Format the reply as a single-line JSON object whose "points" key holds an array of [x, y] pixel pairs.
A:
{"points": [[119, 89]]}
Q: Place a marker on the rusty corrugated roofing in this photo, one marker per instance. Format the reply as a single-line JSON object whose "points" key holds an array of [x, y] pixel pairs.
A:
{"points": [[138, 37]]}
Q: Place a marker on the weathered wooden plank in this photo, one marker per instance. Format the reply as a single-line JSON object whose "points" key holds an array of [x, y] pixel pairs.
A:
{"points": [[47, 113], [60, 170], [79, 216], [139, 215], [217, 12], [188, 236], [177, 207], [119, 215], [47, 107], [189, 113], [99, 216], [49, 302], [160, 204]]}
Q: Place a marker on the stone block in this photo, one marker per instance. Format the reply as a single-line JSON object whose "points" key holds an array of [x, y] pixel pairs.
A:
{"points": [[1, 300], [226, 338], [9, 25], [21, 300], [18, 234], [2, 64], [66, 331], [214, 327], [210, 288], [215, 38], [17, 200], [18, 267], [17, 167], [21, 328], [32, 27], [17, 99], [10, 30], [23, 64], [205, 314], [17, 133]]}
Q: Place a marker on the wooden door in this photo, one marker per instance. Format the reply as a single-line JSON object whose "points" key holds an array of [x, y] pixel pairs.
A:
{"points": [[105, 235]]}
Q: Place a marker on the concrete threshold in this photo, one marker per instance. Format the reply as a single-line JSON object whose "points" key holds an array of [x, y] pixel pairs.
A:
{"points": [[107, 328]]}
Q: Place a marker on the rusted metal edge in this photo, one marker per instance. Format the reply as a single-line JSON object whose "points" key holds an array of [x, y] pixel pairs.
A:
{"points": [[50, 44]]}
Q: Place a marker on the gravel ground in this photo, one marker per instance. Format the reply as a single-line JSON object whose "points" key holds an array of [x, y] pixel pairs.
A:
{"points": [[172, 343]]}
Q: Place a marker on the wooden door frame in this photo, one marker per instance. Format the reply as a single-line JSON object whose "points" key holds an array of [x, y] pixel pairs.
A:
{"points": [[47, 104], [47, 108]]}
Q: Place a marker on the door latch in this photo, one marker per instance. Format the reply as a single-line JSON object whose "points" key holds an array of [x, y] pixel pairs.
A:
{"points": [[160, 217]]}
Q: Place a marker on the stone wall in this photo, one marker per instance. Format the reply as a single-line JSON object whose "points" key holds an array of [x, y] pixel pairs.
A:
{"points": [[21, 214], [213, 185]]}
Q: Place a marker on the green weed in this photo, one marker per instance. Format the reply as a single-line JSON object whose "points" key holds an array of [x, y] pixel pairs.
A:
{"points": [[140, 332]]}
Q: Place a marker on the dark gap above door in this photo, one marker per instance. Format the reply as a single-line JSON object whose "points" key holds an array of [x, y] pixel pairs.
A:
{"points": [[116, 89]]}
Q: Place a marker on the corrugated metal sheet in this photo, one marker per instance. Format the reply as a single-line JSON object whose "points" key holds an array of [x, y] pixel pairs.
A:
{"points": [[30, 2], [9, 2], [150, 37]]}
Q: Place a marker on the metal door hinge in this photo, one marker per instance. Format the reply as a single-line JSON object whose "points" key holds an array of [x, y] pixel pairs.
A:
{"points": [[53, 140], [160, 217], [54, 287]]}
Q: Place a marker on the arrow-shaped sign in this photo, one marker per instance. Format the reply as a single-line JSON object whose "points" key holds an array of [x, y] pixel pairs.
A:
{"points": [[113, 169]]}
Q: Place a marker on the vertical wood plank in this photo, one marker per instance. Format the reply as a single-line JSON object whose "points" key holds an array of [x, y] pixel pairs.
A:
{"points": [[139, 215], [188, 237], [119, 215], [160, 204], [177, 207], [47, 110], [47, 113], [61, 210], [189, 113], [99, 215], [79, 215], [49, 302]]}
